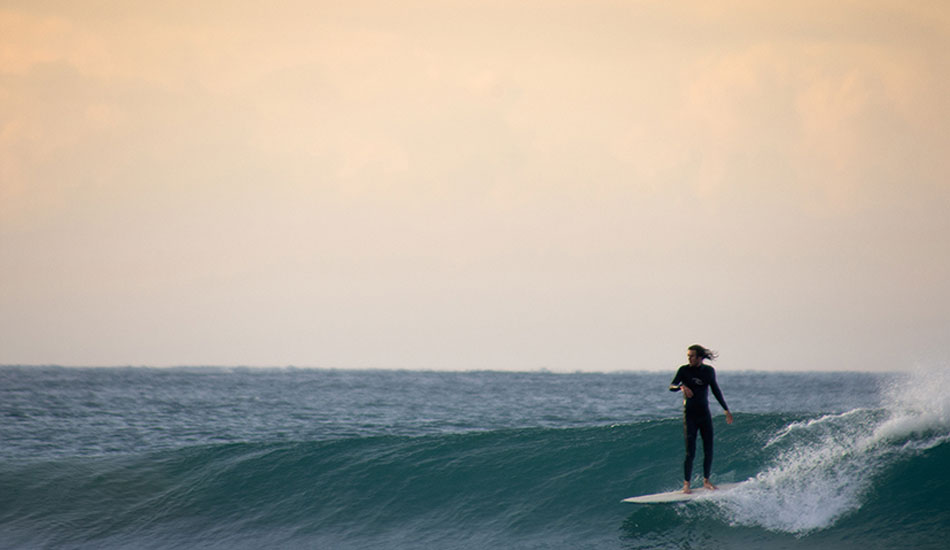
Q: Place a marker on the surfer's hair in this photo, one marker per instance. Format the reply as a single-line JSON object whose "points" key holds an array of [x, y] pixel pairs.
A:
{"points": [[704, 353]]}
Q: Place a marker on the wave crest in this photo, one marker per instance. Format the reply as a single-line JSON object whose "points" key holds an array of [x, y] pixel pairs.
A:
{"points": [[826, 468]]}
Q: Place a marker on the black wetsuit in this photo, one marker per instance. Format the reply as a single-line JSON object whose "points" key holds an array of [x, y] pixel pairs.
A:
{"points": [[696, 416]]}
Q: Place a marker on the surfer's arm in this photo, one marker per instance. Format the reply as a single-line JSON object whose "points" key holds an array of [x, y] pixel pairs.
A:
{"points": [[718, 393], [677, 383], [686, 391]]}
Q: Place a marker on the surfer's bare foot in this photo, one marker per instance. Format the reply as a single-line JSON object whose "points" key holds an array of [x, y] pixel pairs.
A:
{"points": [[686, 488], [708, 486]]}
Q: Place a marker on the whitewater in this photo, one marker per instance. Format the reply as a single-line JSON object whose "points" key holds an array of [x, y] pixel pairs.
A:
{"points": [[316, 458]]}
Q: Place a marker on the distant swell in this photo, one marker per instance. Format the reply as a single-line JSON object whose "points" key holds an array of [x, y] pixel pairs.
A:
{"points": [[516, 487]]}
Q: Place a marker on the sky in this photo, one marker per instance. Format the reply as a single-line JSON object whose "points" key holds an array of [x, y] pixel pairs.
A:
{"points": [[575, 185]]}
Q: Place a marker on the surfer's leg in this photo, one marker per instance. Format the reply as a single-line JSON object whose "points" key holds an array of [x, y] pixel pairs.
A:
{"points": [[706, 431], [689, 431]]}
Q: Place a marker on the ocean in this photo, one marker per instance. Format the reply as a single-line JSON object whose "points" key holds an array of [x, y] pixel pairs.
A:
{"points": [[244, 458]]}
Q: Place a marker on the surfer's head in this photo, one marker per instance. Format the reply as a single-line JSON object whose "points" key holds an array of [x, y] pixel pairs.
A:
{"points": [[697, 354]]}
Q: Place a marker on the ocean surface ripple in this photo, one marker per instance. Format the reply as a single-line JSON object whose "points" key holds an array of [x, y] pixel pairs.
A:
{"points": [[310, 458]]}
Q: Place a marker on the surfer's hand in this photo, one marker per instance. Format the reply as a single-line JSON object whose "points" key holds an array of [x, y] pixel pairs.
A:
{"points": [[687, 392], [728, 417]]}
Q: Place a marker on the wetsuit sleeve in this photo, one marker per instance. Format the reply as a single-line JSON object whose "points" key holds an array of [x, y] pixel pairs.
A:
{"points": [[717, 392], [675, 384]]}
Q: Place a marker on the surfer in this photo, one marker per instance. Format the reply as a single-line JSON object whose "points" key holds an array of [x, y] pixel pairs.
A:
{"points": [[694, 380]]}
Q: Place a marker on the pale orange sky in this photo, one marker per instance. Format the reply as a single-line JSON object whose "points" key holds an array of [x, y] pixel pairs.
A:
{"points": [[575, 185]]}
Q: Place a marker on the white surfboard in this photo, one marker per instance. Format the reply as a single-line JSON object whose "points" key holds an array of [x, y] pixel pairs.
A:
{"points": [[680, 496]]}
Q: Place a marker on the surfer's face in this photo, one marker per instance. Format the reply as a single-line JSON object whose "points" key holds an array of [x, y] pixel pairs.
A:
{"points": [[694, 359]]}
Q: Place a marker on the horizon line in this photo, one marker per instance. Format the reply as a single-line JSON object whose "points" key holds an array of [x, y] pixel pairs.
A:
{"points": [[536, 370]]}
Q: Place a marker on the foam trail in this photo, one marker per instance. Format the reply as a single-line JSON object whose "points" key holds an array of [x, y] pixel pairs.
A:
{"points": [[804, 427], [824, 468]]}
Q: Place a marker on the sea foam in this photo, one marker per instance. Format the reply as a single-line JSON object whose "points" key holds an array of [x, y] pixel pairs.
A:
{"points": [[826, 467]]}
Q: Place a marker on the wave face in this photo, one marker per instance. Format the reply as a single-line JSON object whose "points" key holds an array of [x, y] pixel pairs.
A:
{"points": [[866, 477]]}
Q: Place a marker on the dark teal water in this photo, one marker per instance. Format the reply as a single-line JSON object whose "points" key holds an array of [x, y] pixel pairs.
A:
{"points": [[244, 458]]}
